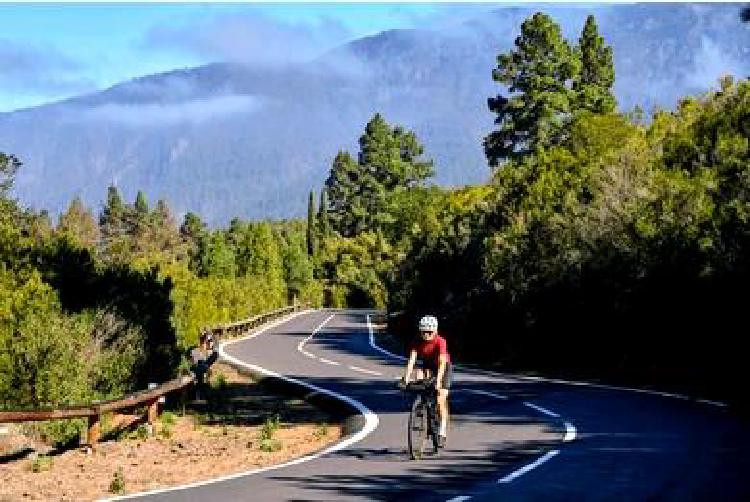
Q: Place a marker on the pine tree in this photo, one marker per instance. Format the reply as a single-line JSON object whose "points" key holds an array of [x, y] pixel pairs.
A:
{"points": [[311, 224], [388, 161], [78, 223], [342, 187], [112, 219], [192, 228], [141, 209], [538, 74], [324, 225], [593, 85], [9, 166]]}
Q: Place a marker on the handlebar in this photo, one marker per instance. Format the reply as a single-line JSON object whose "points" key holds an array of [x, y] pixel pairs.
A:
{"points": [[417, 385]]}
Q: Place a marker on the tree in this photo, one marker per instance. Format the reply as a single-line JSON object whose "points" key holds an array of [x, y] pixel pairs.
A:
{"points": [[9, 166], [342, 186], [78, 223], [539, 74], [593, 85], [311, 224], [112, 219], [324, 225], [141, 205], [192, 227], [388, 161]]}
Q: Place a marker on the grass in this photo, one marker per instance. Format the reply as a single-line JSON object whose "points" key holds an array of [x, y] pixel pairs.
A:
{"points": [[167, 420], [41, 463], [117, 485], [321, 431], [267, 431]]}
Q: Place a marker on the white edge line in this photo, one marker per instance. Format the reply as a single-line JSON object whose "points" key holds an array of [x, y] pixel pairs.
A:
{"points": [[526, 468], [560, 381], [376, 346], [570, 432], [371, 419], [545, 411]]}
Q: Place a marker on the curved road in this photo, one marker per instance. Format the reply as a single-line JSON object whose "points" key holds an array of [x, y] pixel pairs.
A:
{"points": [[510, 439]]}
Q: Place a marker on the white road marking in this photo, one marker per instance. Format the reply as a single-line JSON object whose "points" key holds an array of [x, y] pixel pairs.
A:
{"points": [[523, 470], [376, 346], [328, 361], [371, 419], [541, 410], [566, 382], [460, 498], [485, 393], [570, 432], [362, 370]]}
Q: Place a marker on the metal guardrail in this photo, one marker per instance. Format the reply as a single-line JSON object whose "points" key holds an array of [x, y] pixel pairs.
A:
{"points": [[149, 398]]}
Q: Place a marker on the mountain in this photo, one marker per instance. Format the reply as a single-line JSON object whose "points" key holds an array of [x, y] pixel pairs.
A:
{"points": [[230, 140]]}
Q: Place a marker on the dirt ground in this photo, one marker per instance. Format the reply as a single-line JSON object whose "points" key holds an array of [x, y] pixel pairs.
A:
{"points": [[221, 436]]}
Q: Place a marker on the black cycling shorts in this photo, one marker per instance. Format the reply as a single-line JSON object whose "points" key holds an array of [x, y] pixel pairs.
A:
{"points": [[447, 376]]}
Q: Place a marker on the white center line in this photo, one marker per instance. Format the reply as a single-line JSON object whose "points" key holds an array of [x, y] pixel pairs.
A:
{"points": [[328, 361], [485, 393], [362, 370], [460, 498], [570, 432], [523, 470], [541, 410]]}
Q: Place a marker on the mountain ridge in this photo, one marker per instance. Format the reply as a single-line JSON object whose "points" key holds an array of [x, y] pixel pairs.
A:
{"points": [[226, 139]]}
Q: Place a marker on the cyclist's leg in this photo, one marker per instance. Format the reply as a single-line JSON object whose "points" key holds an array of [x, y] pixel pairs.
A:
{"points": [[443, 399]]}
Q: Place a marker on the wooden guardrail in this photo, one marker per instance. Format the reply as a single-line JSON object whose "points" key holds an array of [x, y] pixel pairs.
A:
{"points": [[240, 327], [145, 398]]}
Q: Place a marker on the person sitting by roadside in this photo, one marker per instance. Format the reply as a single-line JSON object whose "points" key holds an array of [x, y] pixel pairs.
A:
{"points": [[201, 358]]}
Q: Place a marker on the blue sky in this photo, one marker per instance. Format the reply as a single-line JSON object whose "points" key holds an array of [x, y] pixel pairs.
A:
{"points": [[52, 51]]}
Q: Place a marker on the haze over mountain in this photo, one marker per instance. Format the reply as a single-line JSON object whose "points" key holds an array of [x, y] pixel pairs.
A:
{"points": [[228, 139]]}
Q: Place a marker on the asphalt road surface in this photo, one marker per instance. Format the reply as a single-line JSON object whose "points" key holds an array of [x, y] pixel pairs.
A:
{"points": [[510, 439]]}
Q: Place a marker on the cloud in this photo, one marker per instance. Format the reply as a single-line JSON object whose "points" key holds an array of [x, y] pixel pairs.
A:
{"points": [[37, 70], [712, 62], [166, 114], [250, 38]]}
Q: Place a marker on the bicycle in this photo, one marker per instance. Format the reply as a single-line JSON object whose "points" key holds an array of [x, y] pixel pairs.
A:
{"points": [[424, 424]]}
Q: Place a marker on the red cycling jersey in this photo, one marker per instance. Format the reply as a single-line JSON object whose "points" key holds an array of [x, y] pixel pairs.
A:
{"points": [[430, 351]]}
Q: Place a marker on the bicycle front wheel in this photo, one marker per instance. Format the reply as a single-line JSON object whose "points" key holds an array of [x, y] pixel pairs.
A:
{"points": [[420, 429]]}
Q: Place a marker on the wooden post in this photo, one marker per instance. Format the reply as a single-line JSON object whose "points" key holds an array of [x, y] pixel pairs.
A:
{"points": [[94, 430], [153, 411]]}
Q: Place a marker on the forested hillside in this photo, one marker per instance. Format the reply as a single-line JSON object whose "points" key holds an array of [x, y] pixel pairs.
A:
{"points": [[226, 140], [605, 246], [91, 308]]}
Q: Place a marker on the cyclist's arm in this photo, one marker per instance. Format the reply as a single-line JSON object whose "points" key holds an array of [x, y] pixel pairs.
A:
{"points": [[410, 365], [442, 363]]}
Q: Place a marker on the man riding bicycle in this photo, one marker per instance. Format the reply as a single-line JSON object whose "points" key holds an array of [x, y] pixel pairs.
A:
{"points": [[432, 351]]}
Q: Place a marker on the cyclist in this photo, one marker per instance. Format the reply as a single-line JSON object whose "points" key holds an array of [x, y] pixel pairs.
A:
{"points": [[432, 350]]}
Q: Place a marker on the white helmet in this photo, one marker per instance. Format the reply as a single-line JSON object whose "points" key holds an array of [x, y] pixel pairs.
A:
{"points": [[428, 323]]}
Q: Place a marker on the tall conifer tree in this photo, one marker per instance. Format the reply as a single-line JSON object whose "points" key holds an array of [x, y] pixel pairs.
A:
{"points": [[538, 73], [311, 224], [593, 85]]}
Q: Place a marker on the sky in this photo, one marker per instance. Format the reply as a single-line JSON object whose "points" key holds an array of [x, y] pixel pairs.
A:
{"points": [[53, 51]]}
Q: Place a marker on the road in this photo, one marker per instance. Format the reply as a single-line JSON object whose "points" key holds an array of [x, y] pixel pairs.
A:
{"points": [[510, 438]]}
